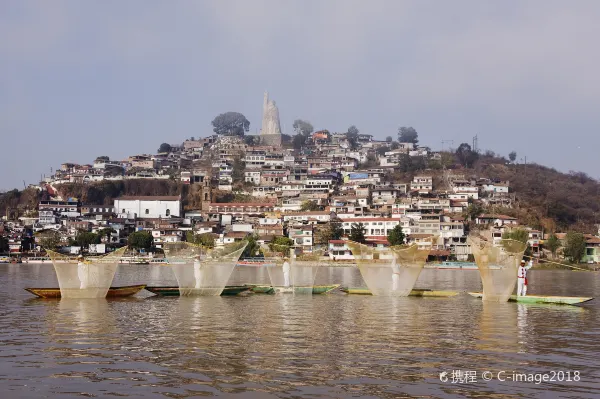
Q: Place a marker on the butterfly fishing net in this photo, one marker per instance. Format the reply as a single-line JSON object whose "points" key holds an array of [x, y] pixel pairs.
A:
{"points": [[304, 271], [80, 277], [202, 271], [278, 264], [497, 266], [389, 271]]}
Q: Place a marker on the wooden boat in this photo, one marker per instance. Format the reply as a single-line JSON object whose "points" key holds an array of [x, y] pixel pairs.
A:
{"points": [[113, 292], [414, 292], [559, 300], [316, 289], [174, 291]]}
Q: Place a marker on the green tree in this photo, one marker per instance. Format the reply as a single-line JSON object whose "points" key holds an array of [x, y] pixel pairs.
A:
{"points": [[140, 240], [252, 250], [3, 244], [389, 139], [302, 127], [408, 135], [512, 156], [102, 158], [309, 206], [251, 140], [85, 238], [517, 235], [231, 124], [49, 239], [473, 211], [357, 233], [352, 137], [552, 243], [239, 167], [205, 239], [574, 248], [332, 231], [164, 147], [466, 155], [396, 236], [106, 232], [281, 244]]}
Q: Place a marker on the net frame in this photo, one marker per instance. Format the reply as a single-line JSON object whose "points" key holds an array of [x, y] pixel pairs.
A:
{"points": [[304, 268], [202, 271], [89, 278], [497, 265], [281, 280], [393, 274]]}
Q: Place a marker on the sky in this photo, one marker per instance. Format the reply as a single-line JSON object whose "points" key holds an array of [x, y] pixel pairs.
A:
{"points": [[80, 79]]}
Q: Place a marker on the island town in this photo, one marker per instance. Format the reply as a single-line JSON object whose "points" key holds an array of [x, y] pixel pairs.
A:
{"points": [[316, 189]]}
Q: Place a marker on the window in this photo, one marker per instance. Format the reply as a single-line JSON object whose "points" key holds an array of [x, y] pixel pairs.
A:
{"points": [[168, 213], [123, 211], [147, 211]]}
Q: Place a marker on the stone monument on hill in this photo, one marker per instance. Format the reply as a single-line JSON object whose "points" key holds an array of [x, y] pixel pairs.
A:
{"points": [[270, 134]]}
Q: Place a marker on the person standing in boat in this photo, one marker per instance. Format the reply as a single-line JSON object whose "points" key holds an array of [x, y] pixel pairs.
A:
{"points": [[286, 272], [522, 278], [82, 272], [198, 272]]}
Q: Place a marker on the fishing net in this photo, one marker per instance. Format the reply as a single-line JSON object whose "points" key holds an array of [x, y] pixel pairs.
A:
{"points": [[278, 266], [202, 271], [304, 271], [497, 266], [389, 271], [90, 277]]}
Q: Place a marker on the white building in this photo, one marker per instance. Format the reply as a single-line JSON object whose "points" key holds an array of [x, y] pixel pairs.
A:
{"points": [[148, 207]]}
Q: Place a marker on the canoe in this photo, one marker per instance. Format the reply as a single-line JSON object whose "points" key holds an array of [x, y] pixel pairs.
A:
{"points": [[316, 289], [414, 292], [559, 300], [174, 291], [113, 292]]}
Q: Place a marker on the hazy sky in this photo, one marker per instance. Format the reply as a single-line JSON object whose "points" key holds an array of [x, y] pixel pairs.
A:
{"points": [[79, 79]]}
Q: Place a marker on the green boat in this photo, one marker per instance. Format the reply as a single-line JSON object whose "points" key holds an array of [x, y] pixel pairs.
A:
{"points": [[558, 300], [414, 292], [174, 291], [316, 289]]}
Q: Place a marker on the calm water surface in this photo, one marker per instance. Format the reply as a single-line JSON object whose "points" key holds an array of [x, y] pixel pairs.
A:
{"points": [[285, 346]]}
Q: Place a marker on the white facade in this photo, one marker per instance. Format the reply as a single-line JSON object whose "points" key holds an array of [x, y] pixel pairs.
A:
{"points": [[147, 207]]}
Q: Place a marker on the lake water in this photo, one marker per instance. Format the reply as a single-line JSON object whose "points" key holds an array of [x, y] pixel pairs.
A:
{"points": [[285, 346]]}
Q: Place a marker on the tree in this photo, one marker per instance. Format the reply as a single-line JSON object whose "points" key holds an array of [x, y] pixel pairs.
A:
{"points": [[164, 147], [281, 244], [473, 211], [552, 243], [3, 244], [352, 137], [389, 139], [231, 124], [251, 140], [574, 248], [309, 205], [332, 231], [466, 155], [239, 166], [512, 156], [49, 239], [106, 232], [302, 127], [102, 158], [517, 235], [85, 238], [408, 135], [298, 141], [140, 240], [357, 233], [205, 239], [396, 236], [253, 248]]}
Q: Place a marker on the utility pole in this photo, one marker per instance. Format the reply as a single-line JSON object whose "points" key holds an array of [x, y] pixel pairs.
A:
{"points": [[475, 144], [446, 141]]}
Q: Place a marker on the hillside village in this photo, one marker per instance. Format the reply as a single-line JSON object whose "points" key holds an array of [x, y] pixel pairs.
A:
{"points": [[275, 191]]}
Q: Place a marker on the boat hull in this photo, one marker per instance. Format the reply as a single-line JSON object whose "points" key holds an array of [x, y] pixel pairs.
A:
{"points": [[414, 292], [174, 291], [558, 300], [113, 292], [316, 289]]}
